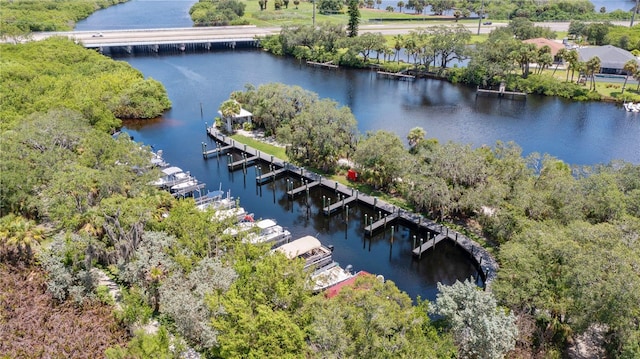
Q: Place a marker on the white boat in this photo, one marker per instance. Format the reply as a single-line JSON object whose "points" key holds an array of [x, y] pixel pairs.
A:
{"points": [[310, 249], [236, 214], [632, 107], [268, 232], [172, 176], [329, 276], [263, 231], [190, 182], [157, 160]]}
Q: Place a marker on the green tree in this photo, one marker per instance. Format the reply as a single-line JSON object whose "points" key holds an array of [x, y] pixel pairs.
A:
{"points": [[330, 6], [320, 135], [262, 312], [372, 319], [593, 67], [416, 135], [18, 237], [365, 44], [449, 43], [480, 328], [380, 158], [630, 68], [354, 18]]}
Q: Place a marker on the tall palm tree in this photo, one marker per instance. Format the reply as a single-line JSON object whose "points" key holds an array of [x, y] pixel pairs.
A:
{"points": [[230, 108], [398, 43], [592, 67], [630, 67], [561, 58], [571, 58]]}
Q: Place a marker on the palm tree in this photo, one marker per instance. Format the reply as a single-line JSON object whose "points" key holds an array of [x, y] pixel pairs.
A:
{"points": [[561, 55], [416, 135], [398, 42], [400, 5], [571, 58], [592, 67], [18, 236], [230, 108], [630, 67]]}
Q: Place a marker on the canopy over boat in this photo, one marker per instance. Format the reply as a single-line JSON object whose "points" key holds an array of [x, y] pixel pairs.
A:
{"points": [[171, 170], [299, 246]]}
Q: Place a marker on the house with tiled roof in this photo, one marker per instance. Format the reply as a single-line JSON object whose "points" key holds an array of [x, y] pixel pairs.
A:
{"points": [[541, 42], [612, 59]]}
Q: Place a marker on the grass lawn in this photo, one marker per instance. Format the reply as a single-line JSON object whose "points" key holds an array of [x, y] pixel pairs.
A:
{"points": [[278, 152], [303, 15]]}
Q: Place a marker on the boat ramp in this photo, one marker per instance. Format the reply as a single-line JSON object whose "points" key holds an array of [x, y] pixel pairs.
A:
{"points": [[387, 214]]}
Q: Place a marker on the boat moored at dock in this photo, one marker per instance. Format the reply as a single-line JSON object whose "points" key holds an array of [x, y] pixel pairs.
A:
{"points": [[329, 276], [310, 249]]}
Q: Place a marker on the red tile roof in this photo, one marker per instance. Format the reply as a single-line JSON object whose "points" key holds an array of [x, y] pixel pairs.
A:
{"points": [[541, 41], [334, 290]]}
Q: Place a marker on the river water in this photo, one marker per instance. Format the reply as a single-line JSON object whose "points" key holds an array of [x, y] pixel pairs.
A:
{"points": [[197, 83]]}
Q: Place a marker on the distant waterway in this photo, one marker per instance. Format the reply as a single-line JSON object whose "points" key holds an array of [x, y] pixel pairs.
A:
{"points": [[197, 83]]}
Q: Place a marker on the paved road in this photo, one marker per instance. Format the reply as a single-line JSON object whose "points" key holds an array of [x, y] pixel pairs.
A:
{"points": [[200, 34]]}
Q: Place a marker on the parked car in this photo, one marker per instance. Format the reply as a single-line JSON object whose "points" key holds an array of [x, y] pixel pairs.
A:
{"points": [[487, 23], [98, 34]]}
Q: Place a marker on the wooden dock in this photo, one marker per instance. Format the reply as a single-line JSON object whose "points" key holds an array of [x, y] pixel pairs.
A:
{"points": [[268, 177], [294, 192], [328, 65], [338, 205], [502, 92], [486, 263], [417, 252], [382, 222], [216, 151], [396, 75], [242, 163]]}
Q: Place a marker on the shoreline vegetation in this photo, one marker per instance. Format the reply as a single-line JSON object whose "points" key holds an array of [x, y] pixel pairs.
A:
{"points": [[75, 198]]}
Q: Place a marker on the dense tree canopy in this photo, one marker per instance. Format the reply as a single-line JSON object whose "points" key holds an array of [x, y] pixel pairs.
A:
{"points": [[36, 78], [20, 17]]}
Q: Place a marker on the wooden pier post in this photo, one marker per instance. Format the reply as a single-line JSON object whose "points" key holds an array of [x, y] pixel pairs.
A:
{"points": [[414, 242], [420, 255], [365, 219], [204, 150], [346, 215]]}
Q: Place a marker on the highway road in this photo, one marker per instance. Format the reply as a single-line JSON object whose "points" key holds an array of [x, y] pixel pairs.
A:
{"points": [[230, 33]]}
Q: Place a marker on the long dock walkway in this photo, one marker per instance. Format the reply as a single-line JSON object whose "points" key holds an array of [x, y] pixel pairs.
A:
{"points": [[387, 213]]}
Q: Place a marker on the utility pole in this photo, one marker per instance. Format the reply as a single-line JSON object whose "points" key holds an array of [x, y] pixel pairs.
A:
{"points": [[633, 16], [314, 14], [482, 12]]}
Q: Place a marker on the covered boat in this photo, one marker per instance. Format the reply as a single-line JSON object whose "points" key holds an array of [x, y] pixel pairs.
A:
{"points": [[310, 249]]}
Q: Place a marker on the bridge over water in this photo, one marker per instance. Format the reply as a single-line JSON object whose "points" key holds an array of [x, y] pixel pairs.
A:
{"points": [[161, 40]]}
